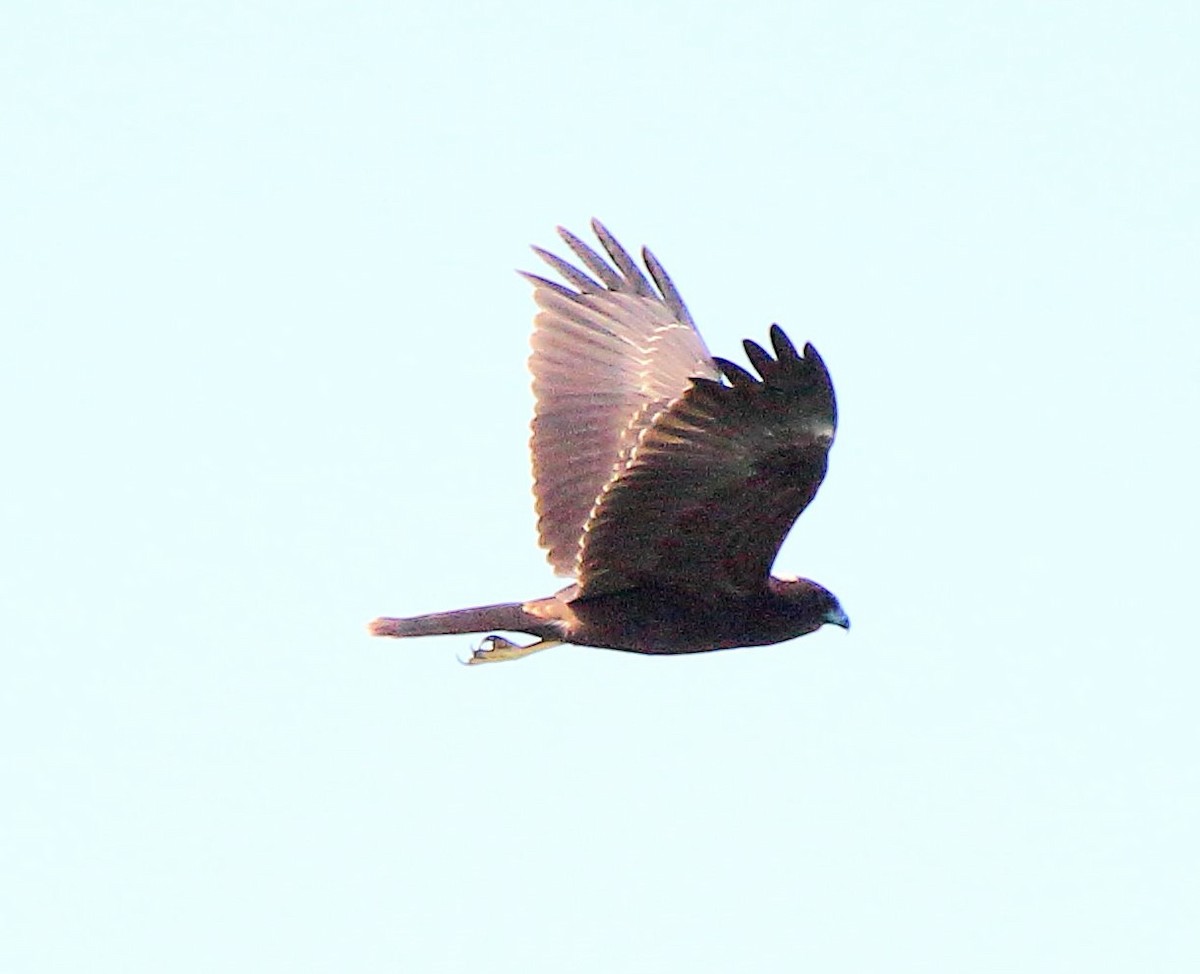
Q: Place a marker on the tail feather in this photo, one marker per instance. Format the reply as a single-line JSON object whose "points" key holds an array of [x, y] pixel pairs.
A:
{"points": [[510, 616]]}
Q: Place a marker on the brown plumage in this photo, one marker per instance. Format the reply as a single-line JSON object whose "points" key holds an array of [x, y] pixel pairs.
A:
{"points": [[665, 479]]}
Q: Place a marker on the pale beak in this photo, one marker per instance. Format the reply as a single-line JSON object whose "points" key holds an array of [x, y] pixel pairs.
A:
{"points": [[838, 617]]}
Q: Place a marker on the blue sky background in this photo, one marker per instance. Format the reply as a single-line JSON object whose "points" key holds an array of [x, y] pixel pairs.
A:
{"points": [[263, 379]]}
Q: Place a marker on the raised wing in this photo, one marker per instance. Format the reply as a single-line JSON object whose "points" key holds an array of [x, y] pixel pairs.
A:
{"points": [[714, 484], [609, 354]]}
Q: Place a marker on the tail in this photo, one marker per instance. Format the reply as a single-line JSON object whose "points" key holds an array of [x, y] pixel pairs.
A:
{"points": [[510, 616]]}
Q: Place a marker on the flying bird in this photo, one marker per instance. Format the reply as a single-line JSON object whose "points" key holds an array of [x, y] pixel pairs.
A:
{"points": [[665, 479]]}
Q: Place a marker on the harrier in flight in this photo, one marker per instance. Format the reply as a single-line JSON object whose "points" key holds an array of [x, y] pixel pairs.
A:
{"points": [[665, 479]]}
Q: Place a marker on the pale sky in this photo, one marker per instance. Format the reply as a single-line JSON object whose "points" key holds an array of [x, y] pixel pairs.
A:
{"points": [[264, 378]]}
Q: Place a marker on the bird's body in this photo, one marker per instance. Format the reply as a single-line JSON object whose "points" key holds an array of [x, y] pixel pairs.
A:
{"points": [[665, 479], [649, 619]]}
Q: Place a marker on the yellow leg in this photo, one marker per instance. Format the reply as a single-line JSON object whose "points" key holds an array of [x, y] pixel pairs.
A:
{"points": [[495, 649]]}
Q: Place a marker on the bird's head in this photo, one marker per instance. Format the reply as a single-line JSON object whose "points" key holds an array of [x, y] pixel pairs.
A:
{"points": [[812, 600]]}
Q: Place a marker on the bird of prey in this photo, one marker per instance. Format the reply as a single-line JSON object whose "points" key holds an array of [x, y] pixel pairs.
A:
{"points": [[665, 479]]}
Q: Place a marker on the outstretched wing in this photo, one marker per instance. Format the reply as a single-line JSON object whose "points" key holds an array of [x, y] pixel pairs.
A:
{"points": [[609, 354], [714, 484]]}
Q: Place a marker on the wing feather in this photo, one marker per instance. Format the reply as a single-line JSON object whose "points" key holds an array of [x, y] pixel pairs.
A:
{"points": [[667, 287], [609, 354], [715, 482]]}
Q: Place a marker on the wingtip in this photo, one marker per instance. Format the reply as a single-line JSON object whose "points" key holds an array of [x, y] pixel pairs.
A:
{"points": [[544, 284], [759, 357], [569, 238], [784, 347], [734, 374]]}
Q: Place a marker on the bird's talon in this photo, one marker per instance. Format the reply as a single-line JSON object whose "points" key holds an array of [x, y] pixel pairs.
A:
{"points": [[483, 652], [493, 649]]}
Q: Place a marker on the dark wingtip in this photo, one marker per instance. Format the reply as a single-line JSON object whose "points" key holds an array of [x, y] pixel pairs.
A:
{"points": [[736, 375], [759, 357], [782, 344]]}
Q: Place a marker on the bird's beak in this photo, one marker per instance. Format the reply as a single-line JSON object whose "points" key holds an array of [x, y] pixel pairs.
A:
{"points": [[838, 617]]}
